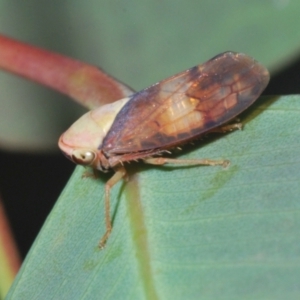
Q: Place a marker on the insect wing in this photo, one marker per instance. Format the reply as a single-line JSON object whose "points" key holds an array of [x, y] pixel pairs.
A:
{"points": [[187, 105]]}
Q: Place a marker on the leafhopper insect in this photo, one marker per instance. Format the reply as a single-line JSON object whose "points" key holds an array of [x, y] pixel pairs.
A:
{"points": [[169, 113]]}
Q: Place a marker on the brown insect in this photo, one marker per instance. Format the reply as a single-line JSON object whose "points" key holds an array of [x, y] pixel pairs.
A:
{"points": [[167, 114]]}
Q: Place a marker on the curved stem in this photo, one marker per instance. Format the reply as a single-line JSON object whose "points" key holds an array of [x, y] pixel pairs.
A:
{"points": [[85, 83]]}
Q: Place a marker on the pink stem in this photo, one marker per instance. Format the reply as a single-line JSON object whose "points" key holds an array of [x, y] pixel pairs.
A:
{"points": [[85, 83]]}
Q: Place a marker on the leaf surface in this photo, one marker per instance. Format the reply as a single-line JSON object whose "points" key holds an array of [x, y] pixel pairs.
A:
{"points": [[183, 232]]}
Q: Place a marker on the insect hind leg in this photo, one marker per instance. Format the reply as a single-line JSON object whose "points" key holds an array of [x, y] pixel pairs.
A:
{"points": [[205, 162]]}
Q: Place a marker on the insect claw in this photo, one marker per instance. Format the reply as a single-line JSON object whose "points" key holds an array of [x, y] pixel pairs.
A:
{"points": [[104, 239], [225, 163], [101, 246], [89, 174], [238, 126]]}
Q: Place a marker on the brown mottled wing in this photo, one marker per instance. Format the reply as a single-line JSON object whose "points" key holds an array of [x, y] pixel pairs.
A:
{"points": [[187, 105]]}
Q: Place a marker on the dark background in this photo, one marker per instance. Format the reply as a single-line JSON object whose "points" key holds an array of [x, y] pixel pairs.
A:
{"points": [[48, 174]]}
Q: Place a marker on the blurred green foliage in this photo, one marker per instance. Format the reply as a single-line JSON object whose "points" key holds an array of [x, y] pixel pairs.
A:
{"points": [[204, 233]]}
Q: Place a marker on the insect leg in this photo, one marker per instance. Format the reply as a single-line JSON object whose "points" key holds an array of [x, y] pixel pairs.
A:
{"points": [[228, 128], [164, 160], [90, 174], [120, 172]]}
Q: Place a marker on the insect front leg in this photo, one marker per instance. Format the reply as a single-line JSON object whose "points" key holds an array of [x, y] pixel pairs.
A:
{"points": [[206, 162], [120, 172], [90, 174]]}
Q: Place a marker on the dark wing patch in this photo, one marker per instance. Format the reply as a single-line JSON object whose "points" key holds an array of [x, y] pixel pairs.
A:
{"points": [[187, 105]]}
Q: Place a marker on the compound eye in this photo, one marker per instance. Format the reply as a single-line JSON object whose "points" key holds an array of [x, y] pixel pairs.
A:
{"points": [[83, 157]]}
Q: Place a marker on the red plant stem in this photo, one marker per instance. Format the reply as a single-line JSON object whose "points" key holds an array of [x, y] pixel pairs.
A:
{"points": [[85, 83]]}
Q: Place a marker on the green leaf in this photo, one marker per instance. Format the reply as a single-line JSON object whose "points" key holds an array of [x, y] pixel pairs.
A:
{"points": [[183, 232]]}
